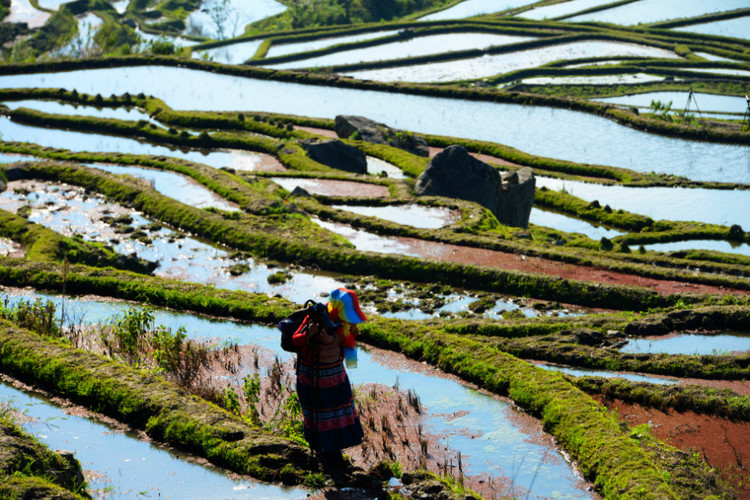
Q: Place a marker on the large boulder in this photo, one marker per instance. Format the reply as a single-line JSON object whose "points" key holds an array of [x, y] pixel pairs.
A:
{"points": [[348, 126], [336, 154], [454, 173]]}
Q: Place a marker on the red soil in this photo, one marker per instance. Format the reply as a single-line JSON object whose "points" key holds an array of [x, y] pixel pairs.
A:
{"points": [[724, 444]]}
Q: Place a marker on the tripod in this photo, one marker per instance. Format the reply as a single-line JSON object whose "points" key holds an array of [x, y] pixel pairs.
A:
{"points": [[691, 97]]}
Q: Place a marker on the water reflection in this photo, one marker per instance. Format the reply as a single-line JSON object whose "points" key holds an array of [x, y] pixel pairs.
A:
{"points": [[470, 8], [713, 206], [735, 28], [21, 11], [174, 185], [117, 465], [583, 372], [585, 138], [650, 11], [83, 141], [679, 100], [411, 215], [571, 225], [715, 245], [220, 19], [236, 53], [496, 64], [65, 108], [691, 343], [482, 427], [282, 49], [561, 9], [412, 47]]}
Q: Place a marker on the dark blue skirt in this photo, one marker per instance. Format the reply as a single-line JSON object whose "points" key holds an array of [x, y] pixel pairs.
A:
{"points": [[331, 420]]}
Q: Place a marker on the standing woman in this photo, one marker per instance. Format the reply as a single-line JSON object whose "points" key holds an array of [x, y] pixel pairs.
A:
{"points": [[325, 394]]}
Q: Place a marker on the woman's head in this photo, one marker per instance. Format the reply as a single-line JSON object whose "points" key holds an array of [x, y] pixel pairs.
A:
{"points": [[343, 305]]}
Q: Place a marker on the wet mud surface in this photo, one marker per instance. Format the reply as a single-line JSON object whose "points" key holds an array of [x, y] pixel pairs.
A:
{"points": [[724, 444]]}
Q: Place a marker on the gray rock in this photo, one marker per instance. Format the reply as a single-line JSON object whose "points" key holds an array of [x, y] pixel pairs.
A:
{"points": [[379, 133], [336, 154], [456, 174]]}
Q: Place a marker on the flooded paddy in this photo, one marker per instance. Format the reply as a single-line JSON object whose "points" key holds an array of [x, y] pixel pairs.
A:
{"points": [[651, 11], [330, 187], [227, 19], [584, 372], [21, 11], [561, 9], [470, 8], [571, 225], [713, 206], [735, 28], [118, 464], [412, 47], [496, 64], [691, 343], [499, 445], [83, 42], [283, 49], [706, 103], [715, 245], [98, 143], [585, 138], [66, 108], [593, 80], [237, 53], [411, 215], [176, 186]]}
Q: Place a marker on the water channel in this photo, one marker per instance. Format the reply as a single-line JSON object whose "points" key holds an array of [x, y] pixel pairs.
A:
{"points": [[483, 427], [585, 138], [691, 343], [736, 28]]}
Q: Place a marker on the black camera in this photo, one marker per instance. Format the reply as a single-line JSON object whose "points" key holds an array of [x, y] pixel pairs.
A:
{"points": [[319, 312]]}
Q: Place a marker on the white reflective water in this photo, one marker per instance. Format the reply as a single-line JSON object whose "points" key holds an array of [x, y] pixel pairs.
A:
{"points": [[229, 54], [174, 185], [651, 11], [282, 49], [533, 129], [82, 141], [178, 41], [411, 215], [21, 11], [561, 9], [739, 27], [720, 71], [712, 206], [497, 64], [376, 166], [593, 80], [119, 466], [585, 372], [52, 4], [691, 343], [412, 47], [65, 108], [83, 42], [679, 100], [221, 19], [470, 8], [570, 224], [715, 245]]}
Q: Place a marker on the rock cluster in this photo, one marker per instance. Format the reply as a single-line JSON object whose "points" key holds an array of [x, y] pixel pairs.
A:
{"points": [[359, 127], [456, 174]]}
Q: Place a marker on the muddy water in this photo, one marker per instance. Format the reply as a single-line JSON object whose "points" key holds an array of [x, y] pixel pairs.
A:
{"points": [[81, 141], [119, 465], [585, 138], [691, 343], [493, 438], [330, 187]]}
